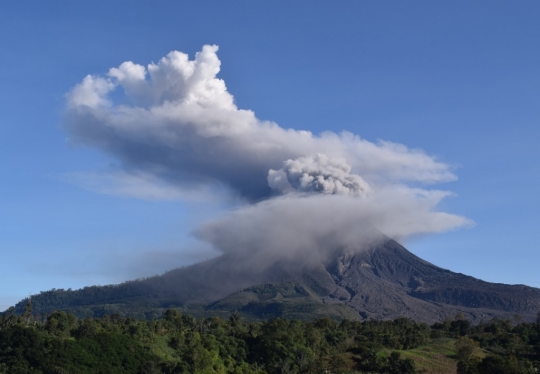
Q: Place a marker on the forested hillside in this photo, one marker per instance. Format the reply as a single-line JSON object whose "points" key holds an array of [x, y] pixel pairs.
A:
{"points": [[178, 343]]}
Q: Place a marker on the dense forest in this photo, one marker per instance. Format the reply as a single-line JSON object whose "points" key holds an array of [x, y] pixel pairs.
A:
{"points": [[178, 343]]}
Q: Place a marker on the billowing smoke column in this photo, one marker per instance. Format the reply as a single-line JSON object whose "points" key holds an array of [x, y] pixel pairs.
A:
{"points": [[317, 174], [178, 130]]}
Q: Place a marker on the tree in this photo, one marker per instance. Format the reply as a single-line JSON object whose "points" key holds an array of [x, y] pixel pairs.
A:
{"points": [[460, 327], [337, 364], [234, 319], [465, 348], [60, 323], [398, 366], [459, 316], [27, 315]]}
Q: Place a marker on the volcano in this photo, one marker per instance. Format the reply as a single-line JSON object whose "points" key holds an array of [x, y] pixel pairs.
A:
{"points": [[382, 280]]}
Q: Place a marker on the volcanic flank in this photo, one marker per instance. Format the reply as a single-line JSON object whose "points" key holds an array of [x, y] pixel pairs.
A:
{"points": [[305, 237], [382, 281]]}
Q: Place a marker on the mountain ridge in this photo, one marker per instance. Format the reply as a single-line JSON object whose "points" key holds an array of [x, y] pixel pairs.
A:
{"points": [[382, 280]]}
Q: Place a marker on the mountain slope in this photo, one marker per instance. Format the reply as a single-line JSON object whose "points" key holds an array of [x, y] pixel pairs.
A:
{"points": [[388, 281], [383, 280]]}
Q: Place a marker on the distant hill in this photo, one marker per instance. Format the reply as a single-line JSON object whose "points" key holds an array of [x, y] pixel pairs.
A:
{"points": [[381, 281]]}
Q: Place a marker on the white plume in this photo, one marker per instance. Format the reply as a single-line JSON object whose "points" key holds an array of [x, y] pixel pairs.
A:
{"points": [[179, 128]]}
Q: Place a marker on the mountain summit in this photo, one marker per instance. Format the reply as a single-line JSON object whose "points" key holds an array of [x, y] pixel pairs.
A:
{"points": [[382, 280]]}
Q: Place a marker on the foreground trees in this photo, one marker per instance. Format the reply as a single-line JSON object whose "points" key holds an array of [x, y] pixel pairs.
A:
{"points": [[177, 343]]}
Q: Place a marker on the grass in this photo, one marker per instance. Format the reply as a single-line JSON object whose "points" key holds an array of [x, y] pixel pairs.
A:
{"points": [[436, 358]]}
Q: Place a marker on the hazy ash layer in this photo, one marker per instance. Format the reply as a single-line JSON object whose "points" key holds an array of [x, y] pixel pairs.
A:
{"points": [[306, 227]]}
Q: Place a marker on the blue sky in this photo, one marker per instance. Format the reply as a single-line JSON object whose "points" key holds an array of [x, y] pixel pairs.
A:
{"points": [[459, 80]]}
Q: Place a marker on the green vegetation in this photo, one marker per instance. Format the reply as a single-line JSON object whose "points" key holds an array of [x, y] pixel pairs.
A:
{"points": [[180, 343]]}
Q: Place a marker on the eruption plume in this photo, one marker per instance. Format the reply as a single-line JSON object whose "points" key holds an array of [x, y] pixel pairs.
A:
{"points": [[317, 174], [177, 127]]}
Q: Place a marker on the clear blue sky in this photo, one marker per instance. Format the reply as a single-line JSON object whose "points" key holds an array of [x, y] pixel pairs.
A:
{"points": [[460, 80]]}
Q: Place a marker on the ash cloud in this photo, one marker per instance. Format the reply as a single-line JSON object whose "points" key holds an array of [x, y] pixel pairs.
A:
{"points": [[178, 122], [317, 174], [177, 128], [308, 228]]}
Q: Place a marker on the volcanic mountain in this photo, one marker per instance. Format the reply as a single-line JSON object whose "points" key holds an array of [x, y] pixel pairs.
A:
{"points": [[382, 280]]}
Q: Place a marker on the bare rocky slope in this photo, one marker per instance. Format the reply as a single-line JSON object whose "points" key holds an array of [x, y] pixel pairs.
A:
{"points": [[382, 281]]}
